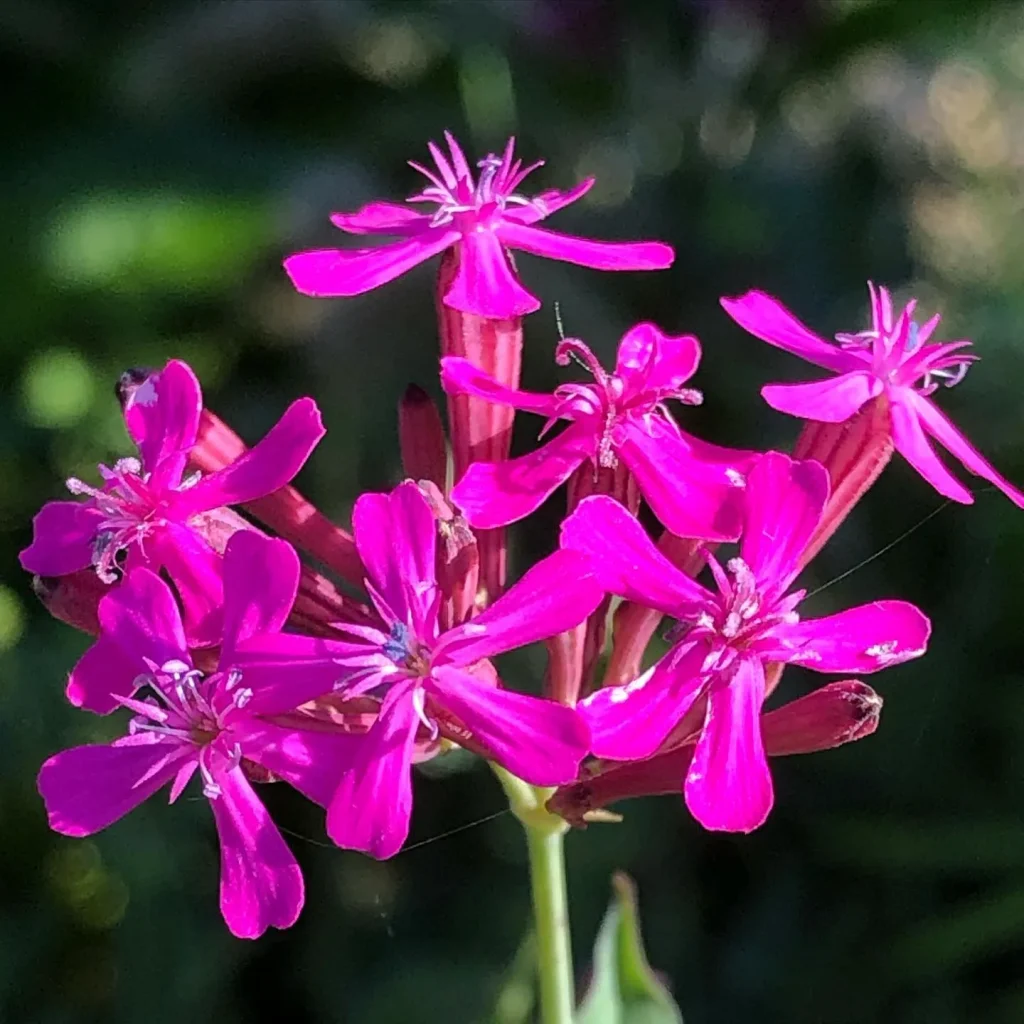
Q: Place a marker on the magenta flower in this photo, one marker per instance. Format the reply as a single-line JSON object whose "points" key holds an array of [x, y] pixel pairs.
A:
{"points": [[148, 510], [424, 677], [219, 724], [484, 216], [692, 486], [895, 358], [725, 638]]}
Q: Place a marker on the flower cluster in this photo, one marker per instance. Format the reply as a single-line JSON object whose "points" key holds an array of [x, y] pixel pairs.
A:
{"points": [[240, 664]]}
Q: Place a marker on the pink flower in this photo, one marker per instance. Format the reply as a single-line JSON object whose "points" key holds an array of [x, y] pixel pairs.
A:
{"points": [[220, 725], [146, 509], [726, 638], [693, 487], [484, 217], [424, 676], [895, 358]]}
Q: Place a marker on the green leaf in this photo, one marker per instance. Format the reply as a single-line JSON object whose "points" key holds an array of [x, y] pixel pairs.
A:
{"points": [[624, 989]]}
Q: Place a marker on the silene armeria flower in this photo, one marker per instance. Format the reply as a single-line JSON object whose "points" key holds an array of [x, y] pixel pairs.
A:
{"points": [[894, 358], [726, 637], [147, 508], [220, 725], [484, 214], [693, 487], [426, 678]]}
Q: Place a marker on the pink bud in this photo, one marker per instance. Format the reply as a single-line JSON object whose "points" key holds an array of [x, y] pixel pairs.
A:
{"points": [[457, 559], [421, 438], [285, 511], [73, 599]]}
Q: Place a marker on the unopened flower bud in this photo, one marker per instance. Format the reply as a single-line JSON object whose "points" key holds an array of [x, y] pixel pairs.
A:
{"points": [[421, 438], [73, 599], [457, 558]]}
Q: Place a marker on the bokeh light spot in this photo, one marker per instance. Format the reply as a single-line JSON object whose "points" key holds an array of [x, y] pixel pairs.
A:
{"points": [[12, 618], [57, 388]]}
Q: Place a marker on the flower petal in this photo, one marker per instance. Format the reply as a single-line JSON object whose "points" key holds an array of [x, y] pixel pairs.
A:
{"points": [[284, 670], [537, 740], [330, 272], [630, 722], [832, 400], [373, 802], [162, 417], [85, 789], [939, 426], [784, 503], [63, 535], [910, 440], [485, 284], [492, 494], [261, 579], [586, 252], [396, 536], [140, 626], [260, 882], [766, 318], [195, 570], [867, 638], [624, 558], [691, 497], [546, 203], [459, 376], [381, 218], [268, 465], [729, 787], [559, 592], [650, 360]]}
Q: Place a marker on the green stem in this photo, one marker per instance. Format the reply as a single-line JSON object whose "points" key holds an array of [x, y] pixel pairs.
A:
{"points": [[545, 836]]}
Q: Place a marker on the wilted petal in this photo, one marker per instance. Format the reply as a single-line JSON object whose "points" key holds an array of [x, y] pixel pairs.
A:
{"points": [[766, 318], [492, 494], [63, 535], [586, 252], [373, 802], [559, 592], [537, 740], [260, 882], [867, 638], [729, 786], [650, 360], [829, 401], [162, 417], [265, 467], [484, 284], [85, 789], [912, 443], [784, 502], [624, 558], [629, 722], [381, 218], [261, 579], [692, 498], [939, 426], [459, 376], [329, 272]]}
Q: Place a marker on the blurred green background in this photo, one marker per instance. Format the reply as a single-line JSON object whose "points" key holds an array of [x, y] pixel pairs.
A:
{"points": [[161, 159]]}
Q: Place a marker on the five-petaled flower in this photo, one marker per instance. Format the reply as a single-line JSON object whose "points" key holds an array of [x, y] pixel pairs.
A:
{"points": [[425, 677], [484, 216], [221, 725], [149, 510], [725, 638], [894, 358], [693, 487]]}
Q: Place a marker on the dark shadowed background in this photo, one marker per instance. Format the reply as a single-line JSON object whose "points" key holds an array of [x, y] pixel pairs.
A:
{"points": [[161, 159]]}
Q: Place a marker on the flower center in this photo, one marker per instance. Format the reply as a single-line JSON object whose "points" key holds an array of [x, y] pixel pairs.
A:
{"points": [[181, 708], [406, 651]]}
